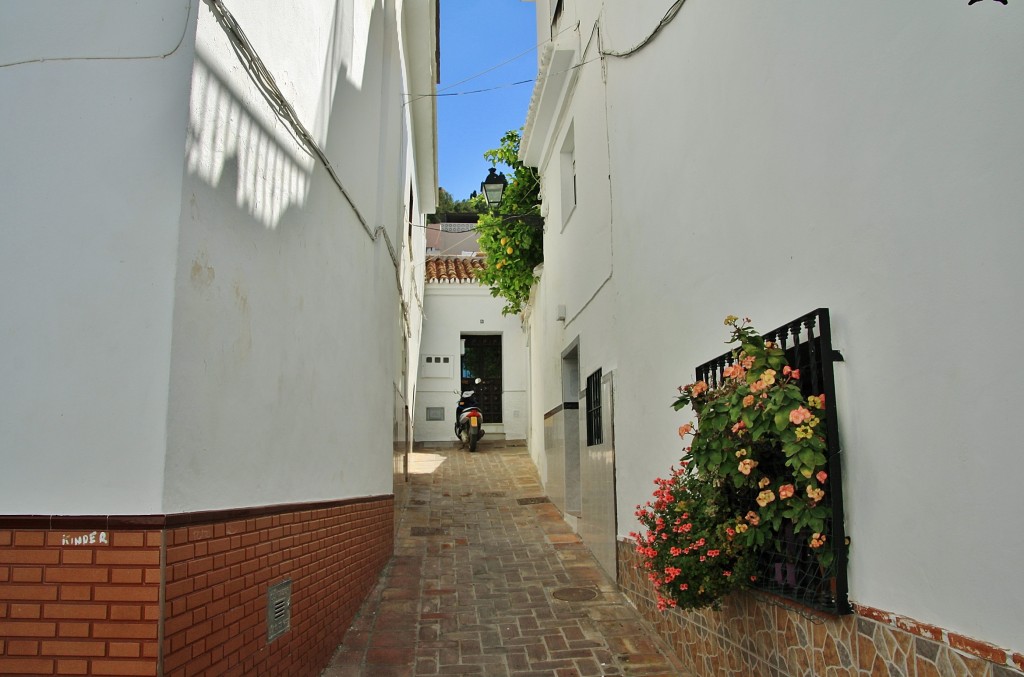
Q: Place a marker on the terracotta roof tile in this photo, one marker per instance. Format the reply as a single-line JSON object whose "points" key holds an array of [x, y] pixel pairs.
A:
{"points": [[453, 269]]}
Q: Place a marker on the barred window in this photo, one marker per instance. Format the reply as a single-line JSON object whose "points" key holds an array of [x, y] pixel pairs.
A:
{"points": [[594, 430]]}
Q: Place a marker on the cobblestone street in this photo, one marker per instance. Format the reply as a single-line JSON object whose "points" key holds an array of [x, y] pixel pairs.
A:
{"points": [[489, 580]]}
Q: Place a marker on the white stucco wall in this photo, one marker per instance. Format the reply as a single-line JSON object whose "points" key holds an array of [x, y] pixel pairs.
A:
{"points": [[94, 112], [770, 159], [287, 365], [452, 310], [195, 318]]}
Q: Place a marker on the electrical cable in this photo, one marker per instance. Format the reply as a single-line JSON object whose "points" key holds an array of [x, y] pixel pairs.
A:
{"points": [[438, 93], [488, 89], [181, 39], [665, 20]]}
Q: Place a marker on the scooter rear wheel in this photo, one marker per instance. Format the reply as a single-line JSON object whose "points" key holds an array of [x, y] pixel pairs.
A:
{"points": [[473, 432]]}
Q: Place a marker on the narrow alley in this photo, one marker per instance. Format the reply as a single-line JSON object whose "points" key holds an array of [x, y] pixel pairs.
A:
{"points": [[488, 579]]}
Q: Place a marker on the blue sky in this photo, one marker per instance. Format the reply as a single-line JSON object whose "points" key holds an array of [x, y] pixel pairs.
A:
{"points": [[477, 35]]}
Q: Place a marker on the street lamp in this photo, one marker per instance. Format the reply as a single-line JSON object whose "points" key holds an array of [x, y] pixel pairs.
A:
{"points": [[493, 187]]}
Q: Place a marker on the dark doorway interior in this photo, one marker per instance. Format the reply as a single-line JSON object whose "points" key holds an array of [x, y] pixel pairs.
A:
{"points": [[482, 359]]}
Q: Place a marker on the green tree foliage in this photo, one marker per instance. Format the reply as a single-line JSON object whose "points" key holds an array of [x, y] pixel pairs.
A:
{"points": [[512, 237]]}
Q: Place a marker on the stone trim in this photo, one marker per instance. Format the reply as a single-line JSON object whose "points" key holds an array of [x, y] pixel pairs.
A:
{"points": [[756, 633]]}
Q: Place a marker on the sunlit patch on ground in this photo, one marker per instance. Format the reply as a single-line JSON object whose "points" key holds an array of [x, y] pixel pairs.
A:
{"points": [[421, 463]]}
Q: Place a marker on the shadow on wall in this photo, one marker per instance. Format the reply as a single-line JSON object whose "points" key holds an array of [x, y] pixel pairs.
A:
{"points": [[222, 131], [232, 122]]}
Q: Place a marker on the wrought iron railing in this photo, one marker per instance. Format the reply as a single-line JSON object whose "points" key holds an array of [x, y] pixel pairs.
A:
{"points": [[789, 567]]}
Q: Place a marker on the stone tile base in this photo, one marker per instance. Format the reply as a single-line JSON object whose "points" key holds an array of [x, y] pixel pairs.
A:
{"points": [[759, 635]]}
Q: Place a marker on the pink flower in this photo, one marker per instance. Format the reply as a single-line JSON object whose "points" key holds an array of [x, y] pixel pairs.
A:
{"points": [[795, 373], [799, 415], [786, 370], [714, 553], [727, 573], [739, 427], [676, 552], [786, 491], [753, 518], [822, 476]]}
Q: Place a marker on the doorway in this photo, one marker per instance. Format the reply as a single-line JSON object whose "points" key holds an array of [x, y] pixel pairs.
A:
{"points": [[571, 433], [481, 358]]}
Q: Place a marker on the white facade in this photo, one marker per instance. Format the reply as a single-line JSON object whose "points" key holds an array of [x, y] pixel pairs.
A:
{"points": [[195, 315], [769, 159], [452, 311]]}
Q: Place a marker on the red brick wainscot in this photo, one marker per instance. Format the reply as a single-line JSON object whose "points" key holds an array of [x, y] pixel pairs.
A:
{"points": [[186, 594], [759, 634]]}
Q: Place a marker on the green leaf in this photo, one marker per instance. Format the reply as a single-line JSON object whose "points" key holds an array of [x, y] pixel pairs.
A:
{"points": [[781, 420]]}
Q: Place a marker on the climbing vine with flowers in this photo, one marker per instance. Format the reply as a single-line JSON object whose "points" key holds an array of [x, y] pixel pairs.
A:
{"points": [[755, 466]]}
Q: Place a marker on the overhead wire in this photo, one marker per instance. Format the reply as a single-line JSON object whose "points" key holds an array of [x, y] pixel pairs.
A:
{"points": [[439, 93], [177, 46]]}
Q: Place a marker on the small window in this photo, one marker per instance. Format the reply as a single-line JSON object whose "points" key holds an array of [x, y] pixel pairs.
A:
{"points": [[430, 360], [446, 360], [595, 433], [568, 173], [435, 413]]}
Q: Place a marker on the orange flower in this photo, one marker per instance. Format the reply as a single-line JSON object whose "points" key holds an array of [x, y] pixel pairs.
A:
{"points": [[748, 400], [817, 540], [815, 494], [698, 388], [746, 465], [799, 415], [765, 497], [753, 518], [763, 483], [822, 476], [786, 491], [685, 429], [734, 371]]}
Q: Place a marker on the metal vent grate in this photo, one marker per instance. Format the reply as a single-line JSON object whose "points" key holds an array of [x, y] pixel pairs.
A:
{"points": [[279, 609]]}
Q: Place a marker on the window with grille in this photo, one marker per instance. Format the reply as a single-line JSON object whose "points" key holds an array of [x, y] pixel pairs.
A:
{"points": [[594, 429], [788, 567]]}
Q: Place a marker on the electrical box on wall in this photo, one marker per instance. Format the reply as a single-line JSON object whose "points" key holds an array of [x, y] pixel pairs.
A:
{"points": [[437, 366]]}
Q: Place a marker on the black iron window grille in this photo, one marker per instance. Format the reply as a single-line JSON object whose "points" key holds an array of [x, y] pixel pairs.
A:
{"points": [[594, 430], [789, 567]]}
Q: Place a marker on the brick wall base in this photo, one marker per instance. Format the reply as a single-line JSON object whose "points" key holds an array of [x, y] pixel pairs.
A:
{"points": [[757, 634], [101, 596]]}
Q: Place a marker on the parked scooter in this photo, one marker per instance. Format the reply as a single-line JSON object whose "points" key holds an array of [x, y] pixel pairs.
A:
{"points": [[469, 420]]}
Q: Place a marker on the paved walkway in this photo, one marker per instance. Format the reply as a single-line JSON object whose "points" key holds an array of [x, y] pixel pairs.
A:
{"points": [[483, 564]]}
